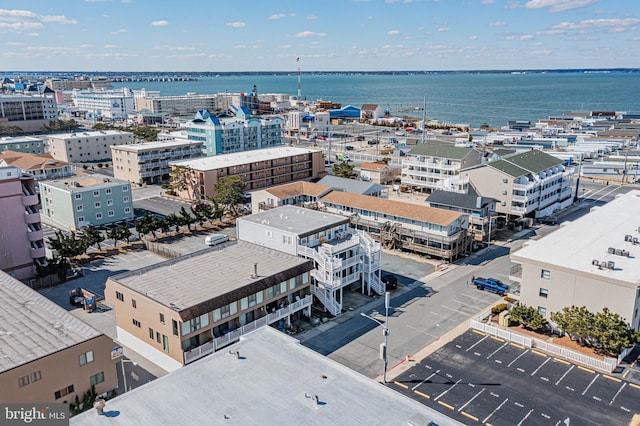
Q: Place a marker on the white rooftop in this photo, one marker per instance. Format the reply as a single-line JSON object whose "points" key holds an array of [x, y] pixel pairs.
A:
{"points": [[146, 146], [18, 139], [87, 134], [576, 244], [239, 158], [296, 220], [273, 381], [32, 326]]}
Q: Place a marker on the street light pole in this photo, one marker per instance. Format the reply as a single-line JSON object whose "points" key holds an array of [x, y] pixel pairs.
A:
{"points": [[385, 331]]}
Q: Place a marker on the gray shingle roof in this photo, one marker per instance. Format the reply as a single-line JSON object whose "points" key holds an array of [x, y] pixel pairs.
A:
{"points": [[447, 198], [351, 185], [440, 151]]}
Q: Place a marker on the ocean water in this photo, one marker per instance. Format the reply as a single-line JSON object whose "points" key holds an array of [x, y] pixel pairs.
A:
{"points": [[471, 99]]}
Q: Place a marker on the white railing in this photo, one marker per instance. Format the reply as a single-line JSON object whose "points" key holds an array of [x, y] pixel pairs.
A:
{"points": [[499, 332], [232, 336], [327, 300]]}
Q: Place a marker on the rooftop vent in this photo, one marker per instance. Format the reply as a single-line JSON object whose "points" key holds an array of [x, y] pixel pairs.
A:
{"points": [[628, 237]]}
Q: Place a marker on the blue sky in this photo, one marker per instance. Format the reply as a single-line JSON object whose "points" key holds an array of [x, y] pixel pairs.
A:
{"points": [[339, 35]]}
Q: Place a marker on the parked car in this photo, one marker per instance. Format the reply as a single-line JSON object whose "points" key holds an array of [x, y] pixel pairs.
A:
{"points": [[349, 148], [549, 220], [390, 281], [491, 284], [373, 142]]}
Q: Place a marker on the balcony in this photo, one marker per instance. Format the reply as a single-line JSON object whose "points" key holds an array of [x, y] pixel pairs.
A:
{"points": [[37, 235], [32, 217], [37, 253], [29, 200]]}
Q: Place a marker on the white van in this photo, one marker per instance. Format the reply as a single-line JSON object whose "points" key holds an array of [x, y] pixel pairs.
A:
{"points": [[215, 239]]}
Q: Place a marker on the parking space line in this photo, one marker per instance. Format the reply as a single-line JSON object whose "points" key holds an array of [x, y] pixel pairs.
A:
{"points": [[562, 361], [450, 407], [497, 338], [469, 416], [452, 309], [477, 343], [494, 411], [565, 373], [422, 331], [516, 345], [445, 392], [589, 385], [471, 400], [422, 382], [424, 395], [538, 353], [494, 352], [473, 297], [615, 379], [617, 393], [402, 385], [626, 373], [633, 385], [540, 366], [586, 369], [518, 357], [479, 332], [525, 417]]}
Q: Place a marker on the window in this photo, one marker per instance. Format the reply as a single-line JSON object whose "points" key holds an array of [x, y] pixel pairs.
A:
{"points": [[64, 392], [158, 337], [136, 322], [35, 377], [80, 219], [544, 293], [119, 296], [286, 239], [150, 333], [165, 343], [269, 234], [196, 323], [97, 204], [78, 196], [96, 193], [109, 202], [125, 199], [98, 216], [23, 381], [125, 188], [111, 213], [542, 310], [161, 318], [108, 191], [79, 208], [545, 273], [127, 210], [86, 358], [97, 378], [134, 305], [305, 278], [174, 326]]}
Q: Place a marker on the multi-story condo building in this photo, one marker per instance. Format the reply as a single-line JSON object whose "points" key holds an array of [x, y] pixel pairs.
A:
{"points": [[86, 200], [343, 256], [21, 235], [48, 355], [22, 144], [530, 184], [591, 262], [307, 124], [86, 146], [111, 105], [29, 113], [428, 167], [96, 83], [178, 311], [40, 166], [188, 104], [224, 135], [258, 169], [148, 163]]}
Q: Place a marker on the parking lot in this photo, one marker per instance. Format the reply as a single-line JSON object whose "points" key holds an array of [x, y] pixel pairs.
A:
{"points": [[478, 378]]}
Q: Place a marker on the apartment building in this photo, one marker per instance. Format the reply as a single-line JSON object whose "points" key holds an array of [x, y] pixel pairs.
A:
{"points": [[105, 104], [21, 235], [188, 104], [97, 83], [28, 144], [40, 166], [29, 112], [343, 256], [376, 172], [148, 163], [429, 166], [592, 262], [530, 184], [48, 355], [86, 146], [300, 193], [71, 204], [258, 169], [224, 135], [307, 124], [178, 311]]}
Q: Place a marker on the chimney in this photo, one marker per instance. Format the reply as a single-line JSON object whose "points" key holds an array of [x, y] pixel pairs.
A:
{"points": [[255, 271]]}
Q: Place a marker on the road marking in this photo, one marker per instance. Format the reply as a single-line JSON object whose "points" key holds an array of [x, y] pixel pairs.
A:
{"points": [[615, 379], [518, 404], [494, 352], [517, 358], [471, 400], [422, 382], [634, 385], [586, 369], [477, 353], [449, 376], [497, 338], [516, 345], [458, 346], [597, 399], [469, 416], [402, 385], [589, 385], [474, 297], [494, 394], [494, 411], [618, 393], [538, 353], [571, 389], [626, 373], [464, 305], [565, 373], [625, 409], [520, 370], [427, 366], [540, 366], [562, 361], [477, 343], [479, 332], [525, 417], [444, 393], [454, 310], [422, 331], [544, 378], [450, 407], [498, 361], [546, 416], [424, 395]]}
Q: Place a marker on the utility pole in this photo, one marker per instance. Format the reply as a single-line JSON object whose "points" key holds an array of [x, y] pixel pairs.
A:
{"points": [[385, 331], [575, 198], [424, 119]]}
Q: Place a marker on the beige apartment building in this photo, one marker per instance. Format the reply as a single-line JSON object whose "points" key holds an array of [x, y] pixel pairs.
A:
{"points": [[148, 163], [80, 147], [187, 104], [48, 355], [258, 168], [178, 311]]}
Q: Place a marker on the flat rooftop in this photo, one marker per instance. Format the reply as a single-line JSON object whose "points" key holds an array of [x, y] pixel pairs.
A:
{"points": [[188, 281], [576, 244], [146, 146], [239, 158], [32, 326], [87, 181], [273, 381], [87, 134], [297, 220]]}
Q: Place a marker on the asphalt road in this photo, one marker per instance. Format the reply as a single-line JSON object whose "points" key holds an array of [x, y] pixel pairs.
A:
{"points": [[481, 379]]}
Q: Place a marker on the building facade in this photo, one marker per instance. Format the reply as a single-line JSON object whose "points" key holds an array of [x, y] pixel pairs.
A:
{"points": [[97, 83], [231, 289], [86, 200], [21, 236], [108, 104], [188, 104], [591, 262], [49, 356], [22, 144], [29, 113], [342, 255], [86, 146], [307, 125], [376, 172], [148, 163], [257, 169]]}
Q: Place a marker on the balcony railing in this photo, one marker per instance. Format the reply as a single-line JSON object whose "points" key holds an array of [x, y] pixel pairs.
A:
{"points": [[233, 336], [37, 253], [37, 235], [29, 200], [32, 217]]}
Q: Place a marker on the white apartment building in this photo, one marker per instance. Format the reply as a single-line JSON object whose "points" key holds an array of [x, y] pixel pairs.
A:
{"points": [[187, 104], [110, 105], [429, 166], [86, 146], [591, 262], [531, 184], [148, 163], [27, 112], [307, 124], [343, 256]]}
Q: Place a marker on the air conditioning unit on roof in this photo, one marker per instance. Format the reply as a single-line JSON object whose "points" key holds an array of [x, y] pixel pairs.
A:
{"points": [[595, 262]]}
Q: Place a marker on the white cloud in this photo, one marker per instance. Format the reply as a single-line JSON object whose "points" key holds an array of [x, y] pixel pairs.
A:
{"points": [[312, 17], [120, 31], [558, 5], [19, 26], [14, 43], [610, 24], [443, 29], [236, 24], [20, 20], [173, 48], [473, 37], [488, 1], [310, 34], [161, 23], [541, 52], [58, 19], [33, 34], [523, 37], [285, 46], [497, 24], [393, 32], [277, 16], [240, 46], [86, 46], [111, 46]]}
